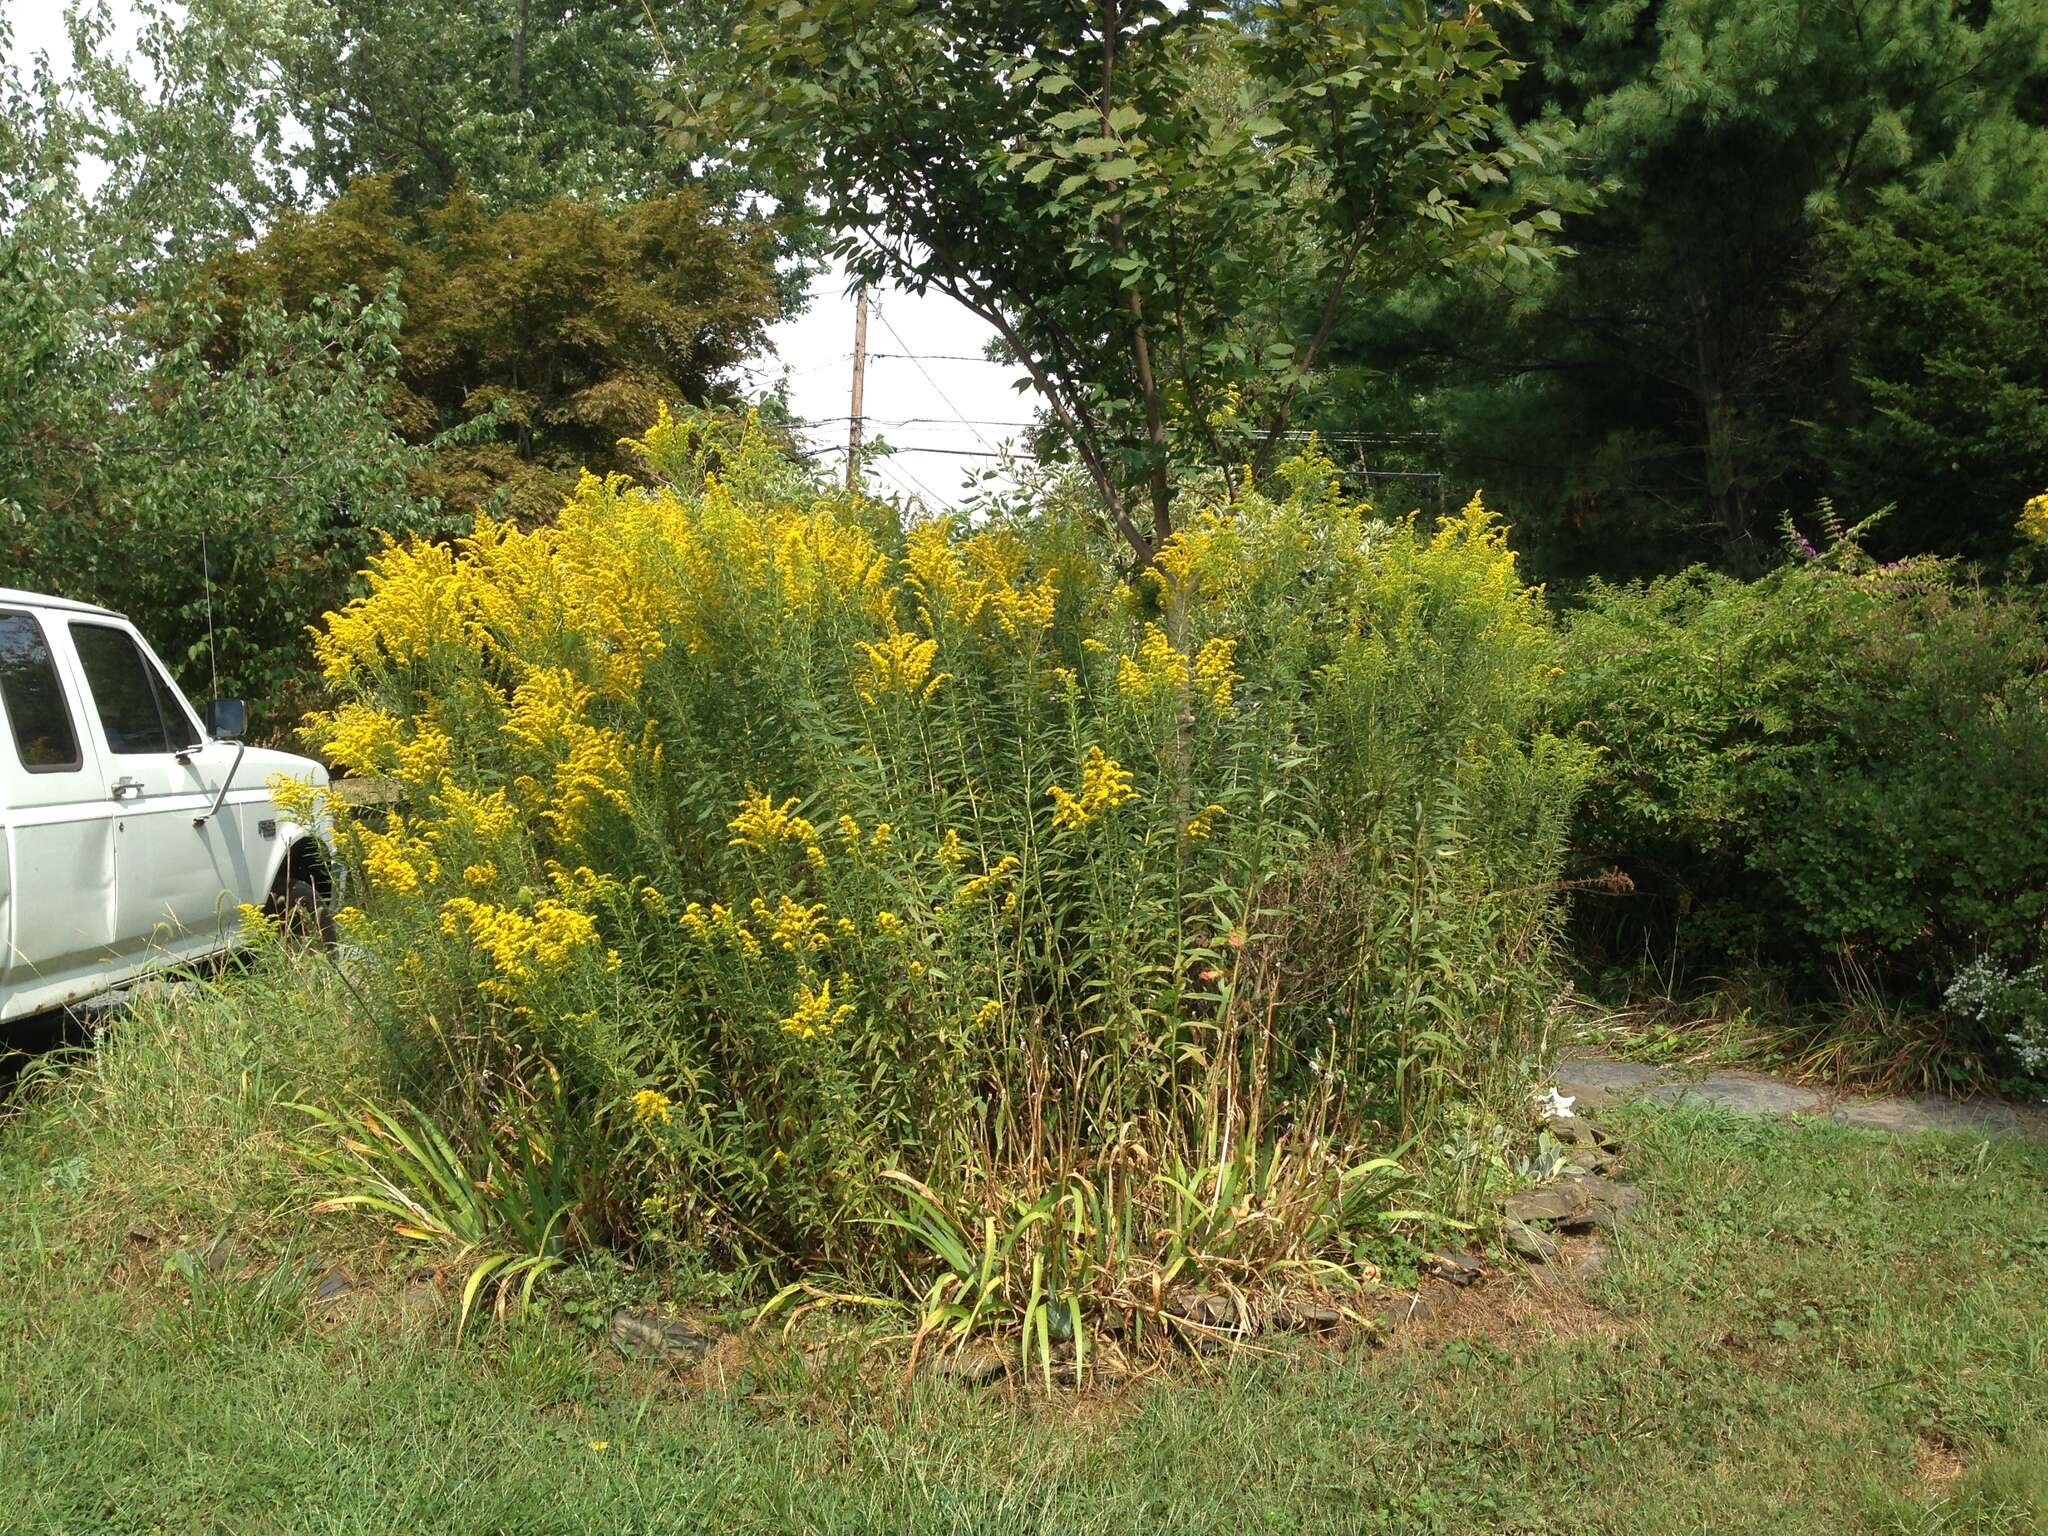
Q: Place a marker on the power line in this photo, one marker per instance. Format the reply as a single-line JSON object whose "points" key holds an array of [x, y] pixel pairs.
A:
{"points": [[940, 357], [883, 316]]}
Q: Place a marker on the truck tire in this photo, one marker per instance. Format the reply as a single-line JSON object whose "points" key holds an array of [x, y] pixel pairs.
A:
{"points": [[302, 915]]}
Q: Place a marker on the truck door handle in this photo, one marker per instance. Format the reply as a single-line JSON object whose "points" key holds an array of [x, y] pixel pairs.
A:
{"points": [[123, 788]]}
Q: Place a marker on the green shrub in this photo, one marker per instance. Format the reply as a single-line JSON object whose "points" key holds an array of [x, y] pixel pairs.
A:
{"points": [[1837, 759], [789, 846]]}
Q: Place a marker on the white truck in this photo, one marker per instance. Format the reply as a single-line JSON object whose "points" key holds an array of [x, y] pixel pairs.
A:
{"points": [[130, 833]]}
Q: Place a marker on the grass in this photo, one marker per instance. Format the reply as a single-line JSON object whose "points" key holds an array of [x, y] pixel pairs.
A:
{"points": [[1808, 1328]]}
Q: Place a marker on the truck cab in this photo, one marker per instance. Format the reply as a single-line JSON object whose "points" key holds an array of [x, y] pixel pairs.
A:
{"points": [[131, 832]]}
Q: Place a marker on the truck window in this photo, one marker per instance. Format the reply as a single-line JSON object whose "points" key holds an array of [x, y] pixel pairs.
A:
{"points": [[44, 737], [131, 699]]}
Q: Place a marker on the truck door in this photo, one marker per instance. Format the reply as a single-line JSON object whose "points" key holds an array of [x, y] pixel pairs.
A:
{"points": [[57, 929], [173, 901]]}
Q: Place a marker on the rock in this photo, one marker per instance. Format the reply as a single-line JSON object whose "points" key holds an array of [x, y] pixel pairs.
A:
{"points": [[1741, 1095], [330, 1288], [1564, 1203], [1573, 1131], [1456, 1266], [1526, 1242], [1610, 1200], [1925, 1112], [1205, 1309], [1594, 1081], [219, 1255], [642, 1333], [975, 1365], [1307, 1317], [1578, 1200], [422, 1295], [142, 1235]]}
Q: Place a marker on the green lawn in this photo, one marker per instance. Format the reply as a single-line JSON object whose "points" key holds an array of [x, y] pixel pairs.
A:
{"points": [[1809, 1328]]}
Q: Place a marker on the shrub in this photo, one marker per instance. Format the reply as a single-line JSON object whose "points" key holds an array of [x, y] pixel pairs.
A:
{"points": [[1839, 758], [790, 845]]}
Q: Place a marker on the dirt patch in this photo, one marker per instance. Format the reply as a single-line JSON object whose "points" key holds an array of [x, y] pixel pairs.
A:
{"points": [[1936, 1466], [1510, 1311]]}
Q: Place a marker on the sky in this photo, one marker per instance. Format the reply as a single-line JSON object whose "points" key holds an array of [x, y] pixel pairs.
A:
{"points": [[930, 394], [925, 371]]}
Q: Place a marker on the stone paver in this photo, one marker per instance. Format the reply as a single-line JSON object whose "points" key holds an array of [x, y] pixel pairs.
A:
{"points": [[1929, 1113], [1597, 1080], [1743, 1095]]}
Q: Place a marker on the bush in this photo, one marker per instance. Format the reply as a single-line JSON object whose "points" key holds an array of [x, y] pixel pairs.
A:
{"points": [[1838, 760], [790, 845]]}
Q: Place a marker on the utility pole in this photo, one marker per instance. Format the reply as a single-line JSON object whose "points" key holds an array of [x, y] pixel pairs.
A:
{"points": [[860, 379]]}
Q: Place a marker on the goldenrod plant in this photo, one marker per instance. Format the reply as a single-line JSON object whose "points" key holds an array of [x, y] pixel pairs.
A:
{"points": [[817, 853]]}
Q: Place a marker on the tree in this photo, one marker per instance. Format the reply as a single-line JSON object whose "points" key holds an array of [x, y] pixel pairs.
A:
{"points": [[1950, 359], [132, 466], [1651, 402], [1162, 208], [571, 323], [517, 101]]}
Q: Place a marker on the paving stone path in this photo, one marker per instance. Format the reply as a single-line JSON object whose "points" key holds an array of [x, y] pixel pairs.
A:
{"points": [[1598, 1080]]}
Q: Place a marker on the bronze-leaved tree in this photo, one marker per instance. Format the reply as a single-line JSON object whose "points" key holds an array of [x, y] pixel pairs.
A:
{"points": [[1162, 208]]}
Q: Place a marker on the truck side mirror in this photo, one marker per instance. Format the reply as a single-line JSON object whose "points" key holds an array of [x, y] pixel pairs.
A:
{"points": [[227, 719]]}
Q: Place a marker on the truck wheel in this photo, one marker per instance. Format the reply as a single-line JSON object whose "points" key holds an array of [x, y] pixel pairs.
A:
{"points": [[302, 915]]}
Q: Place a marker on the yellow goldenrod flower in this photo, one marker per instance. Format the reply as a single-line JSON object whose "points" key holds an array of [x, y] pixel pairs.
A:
{"points": [[1105, 785], [479, 874], [981, 885], [882, 833], [950, 849], [649, 1105], [814, 1013], [761, 823], [900, 664], [1201, 825], [988, 1013], [797, 928], [523, 948], [2033, 523], [1157, 671], [1213, 670], [888, 924]]}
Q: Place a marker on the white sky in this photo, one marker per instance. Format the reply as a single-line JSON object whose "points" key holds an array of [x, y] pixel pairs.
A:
{"points": [[916, 410], [925, 373]]}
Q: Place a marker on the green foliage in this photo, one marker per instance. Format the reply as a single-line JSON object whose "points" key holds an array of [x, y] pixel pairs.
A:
{"points": [[515, 101], [507, 1226], [133, 459], [1839, 761], [1951, 357], [1159, 207], [571, 324], [1653, 401], [802, 845]]}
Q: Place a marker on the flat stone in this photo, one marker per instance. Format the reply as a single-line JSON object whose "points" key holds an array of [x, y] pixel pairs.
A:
{"points": [[667, 1338], [976, 1366], [1928, 1112], [1594, 1080], [1741, 1095], [330, 1288], [1565, 1202], [1456, 1266], [1527, 1242], [1307, 1317]]}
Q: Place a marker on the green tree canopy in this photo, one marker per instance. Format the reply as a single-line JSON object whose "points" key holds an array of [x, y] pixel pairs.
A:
{"points": [[1162, 208], [572, 322], [134, 461], [1653, 400]]}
